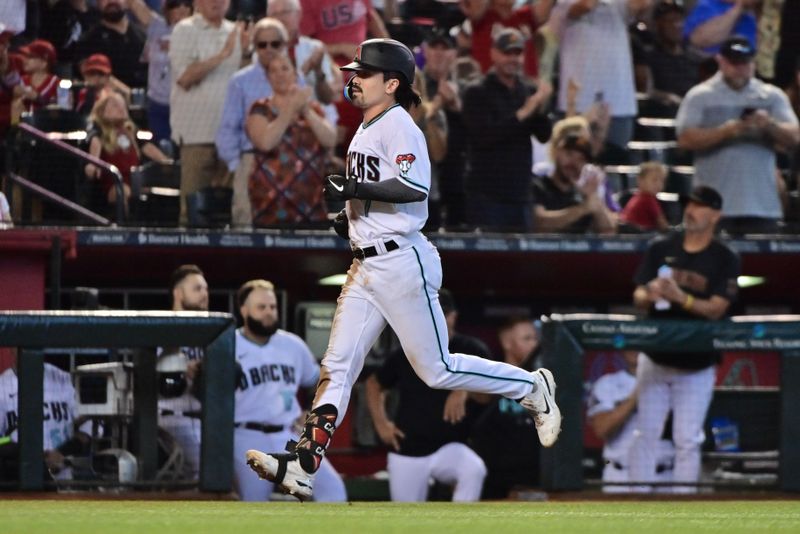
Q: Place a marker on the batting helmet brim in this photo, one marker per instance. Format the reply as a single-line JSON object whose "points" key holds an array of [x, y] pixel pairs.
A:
{"points": [[357, 65]]}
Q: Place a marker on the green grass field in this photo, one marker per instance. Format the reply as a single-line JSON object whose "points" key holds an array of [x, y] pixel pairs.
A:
{"points": [[197, 517]]}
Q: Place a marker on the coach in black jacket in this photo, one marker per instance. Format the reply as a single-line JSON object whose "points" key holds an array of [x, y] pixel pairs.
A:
{"points": [[501, 112]]}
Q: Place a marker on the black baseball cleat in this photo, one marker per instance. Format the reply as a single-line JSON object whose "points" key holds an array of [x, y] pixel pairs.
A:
{"points": [[541, 404], [284, 471]]}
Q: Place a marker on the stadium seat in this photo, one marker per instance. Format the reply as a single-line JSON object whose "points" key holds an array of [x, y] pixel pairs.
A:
{"points": [[210, 207], [155, 194]]}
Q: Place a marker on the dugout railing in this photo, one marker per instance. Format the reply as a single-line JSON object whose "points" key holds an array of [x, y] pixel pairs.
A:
{"points": [[32, 331], [566, 337]]}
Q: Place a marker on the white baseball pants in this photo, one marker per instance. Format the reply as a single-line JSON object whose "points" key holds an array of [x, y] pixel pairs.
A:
{"points": [[186, 432], [689, 394], [328, 485], [453, 463], [400, 288]]}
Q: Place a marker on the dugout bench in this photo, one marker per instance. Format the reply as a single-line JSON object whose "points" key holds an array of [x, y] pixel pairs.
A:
{"points": [[566, 336], [31, 331]]}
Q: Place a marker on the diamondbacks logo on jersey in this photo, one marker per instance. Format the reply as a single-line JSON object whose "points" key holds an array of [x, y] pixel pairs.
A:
{"points": [[405, 161], [53, 411], [263, 374], [363, 166]]}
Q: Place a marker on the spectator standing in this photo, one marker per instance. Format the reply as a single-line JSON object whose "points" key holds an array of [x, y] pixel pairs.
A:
{"points": [[429, 430], [687, 275], [733, 122], [156, 55], [64, 24], [604, 73], [10, 84], [500, 113], [119, 39], [488, 17], [247, 86], [613, 416], [205, 51], [292, 138], [439, 52], [666, 68], [309, 55], [342, 25], [712, 22], [572, 199], [275, 364], [643, 210], [41, 84]]}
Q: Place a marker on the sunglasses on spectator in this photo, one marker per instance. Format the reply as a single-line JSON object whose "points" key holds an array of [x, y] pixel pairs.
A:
{"points": [[274, 44]]}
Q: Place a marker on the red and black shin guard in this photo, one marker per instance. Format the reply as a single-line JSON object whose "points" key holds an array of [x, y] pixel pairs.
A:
{"points": [[317, 433]]}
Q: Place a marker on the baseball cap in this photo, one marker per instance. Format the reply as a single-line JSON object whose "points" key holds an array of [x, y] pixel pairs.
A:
{"points": [[705, 195], [667, 6], [440, 36], [508, 39], [96, 63], [446, 301], [41, 49], [737, 49]]}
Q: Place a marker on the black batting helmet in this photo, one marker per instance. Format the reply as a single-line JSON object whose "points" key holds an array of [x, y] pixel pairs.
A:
{"points": [[385, 55]]}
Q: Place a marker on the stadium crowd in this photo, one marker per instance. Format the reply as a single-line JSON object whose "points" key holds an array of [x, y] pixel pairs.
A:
{"points": [[531, 125]]}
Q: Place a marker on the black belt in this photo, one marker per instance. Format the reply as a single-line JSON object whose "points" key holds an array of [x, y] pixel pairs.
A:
{"points": [[659, 468], [368, 252], [266, 429], [193, 415]]}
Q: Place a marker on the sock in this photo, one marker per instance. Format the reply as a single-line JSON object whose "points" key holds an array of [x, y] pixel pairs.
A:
{"points": [[317, 432]]}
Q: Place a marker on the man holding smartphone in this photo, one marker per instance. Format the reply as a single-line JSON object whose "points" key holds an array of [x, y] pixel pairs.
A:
{"points": [[733, 123]]}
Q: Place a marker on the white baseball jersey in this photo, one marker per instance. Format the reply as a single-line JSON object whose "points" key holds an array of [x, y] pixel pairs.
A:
{"points": [[607, 392], [271, 375], [389, 146], [59, 406]]}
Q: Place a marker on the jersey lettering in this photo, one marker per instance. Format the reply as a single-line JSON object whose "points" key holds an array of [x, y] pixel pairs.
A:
{"points": [[267, 373], [363, 167], [337, 16]]}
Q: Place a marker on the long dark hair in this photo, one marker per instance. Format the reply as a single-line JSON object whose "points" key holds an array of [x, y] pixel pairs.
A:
{"points": [[405, 95]]}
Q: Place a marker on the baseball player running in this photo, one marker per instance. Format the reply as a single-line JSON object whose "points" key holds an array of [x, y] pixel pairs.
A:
{"points": [[395, 275], [274, 363]]}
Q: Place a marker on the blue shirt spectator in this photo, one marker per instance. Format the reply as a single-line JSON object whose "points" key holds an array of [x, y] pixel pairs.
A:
{"points": [[706, 10]]}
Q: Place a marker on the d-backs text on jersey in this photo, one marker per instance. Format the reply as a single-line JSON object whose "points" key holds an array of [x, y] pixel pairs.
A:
{"points": [[273, 372], [363, 166]]}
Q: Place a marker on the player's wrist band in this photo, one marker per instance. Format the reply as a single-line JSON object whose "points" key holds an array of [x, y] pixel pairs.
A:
{"points": [[689, 302]]}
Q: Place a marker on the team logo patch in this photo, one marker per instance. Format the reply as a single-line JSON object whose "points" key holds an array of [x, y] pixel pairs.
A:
{"points": [[357, 57], [405, 161]]}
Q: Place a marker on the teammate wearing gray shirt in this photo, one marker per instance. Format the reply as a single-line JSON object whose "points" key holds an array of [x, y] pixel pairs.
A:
{"points": [[733, 123]]}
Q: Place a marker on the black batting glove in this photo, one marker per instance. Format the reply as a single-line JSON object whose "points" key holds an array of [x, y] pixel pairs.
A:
{"points": [[338, 187], [341, 225]]}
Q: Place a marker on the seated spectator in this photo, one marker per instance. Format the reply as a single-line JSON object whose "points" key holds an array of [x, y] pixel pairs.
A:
{"points": [[113, 139], [487, 17], [291, 136], [733, 123], [642, 210], [118, 38], [97, 78], [666, 68], [604, 73], [156, 54], [5, 213], [572, 198], [40, 82], [711, 22], [504, 425], [612, 415], [64, 24]]}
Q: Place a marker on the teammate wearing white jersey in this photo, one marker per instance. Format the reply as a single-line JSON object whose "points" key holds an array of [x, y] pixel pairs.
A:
{"points": [[274, 364], [59, 436], [395, 275], [178, 410], [613, 417]]}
